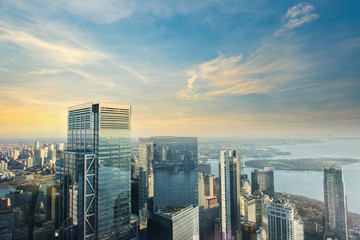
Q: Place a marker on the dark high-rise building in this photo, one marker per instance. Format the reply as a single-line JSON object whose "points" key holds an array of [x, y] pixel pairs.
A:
{"points": [[52, 204], [96, 182], [176, 223], [262, 182], [146, 186], [230, 173], [335, 212], [175, 171], [173, 162], [135, 196]]}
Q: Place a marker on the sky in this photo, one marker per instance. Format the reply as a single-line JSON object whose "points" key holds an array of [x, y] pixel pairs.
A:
{"points": [[187, 68]]}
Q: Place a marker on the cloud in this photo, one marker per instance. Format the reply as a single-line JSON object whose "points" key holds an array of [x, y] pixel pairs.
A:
{"points": [[297, 16], [48, 49], [99, 11], [191, 81], [47, 72], [260, 73], [111, 11], [58, 44]]}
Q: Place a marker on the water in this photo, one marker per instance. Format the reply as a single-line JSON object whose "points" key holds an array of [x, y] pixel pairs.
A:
{"points": [[310, 183], [4, 191]]}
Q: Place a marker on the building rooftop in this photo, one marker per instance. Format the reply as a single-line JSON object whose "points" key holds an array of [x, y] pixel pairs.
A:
{"points": [[171, 210]]}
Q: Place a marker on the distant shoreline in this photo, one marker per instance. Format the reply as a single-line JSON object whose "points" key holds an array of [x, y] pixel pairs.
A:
{"points": [[301, 164], [39, 179]]}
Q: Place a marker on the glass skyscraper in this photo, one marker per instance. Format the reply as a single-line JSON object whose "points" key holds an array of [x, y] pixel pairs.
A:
{"points": [[230, 174], [335, 212], [175, 161], [172, 161], [262, 182], [97, 172]]}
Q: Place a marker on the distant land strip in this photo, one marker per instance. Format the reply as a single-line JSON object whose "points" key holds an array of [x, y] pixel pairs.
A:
{"points": [[301, 164]]}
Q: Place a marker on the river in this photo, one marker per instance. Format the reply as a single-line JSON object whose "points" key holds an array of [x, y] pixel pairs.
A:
{"points": [[310, 183]]}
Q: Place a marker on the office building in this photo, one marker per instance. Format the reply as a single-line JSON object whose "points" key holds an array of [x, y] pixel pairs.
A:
{"points": [[172, 161], [175, 162], [60, 147], [262, 182], [40, 155], [217, 226], [135, 196], [217, 188], [283, 222], [96, 181], [245, 185], [45, 232], [146, 178], [59, 166], [19, 197], [209, 185], [207, 218], [201, 190], [3, 166], [176, 223], [335, 212], [248, 208], [51, 156], [252, 232], [204, 168], [230, 173], [29, 162], [262, 203], [53, 204], [37, 145]]}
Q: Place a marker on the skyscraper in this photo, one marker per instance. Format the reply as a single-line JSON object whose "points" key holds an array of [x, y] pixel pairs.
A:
{"points": [[230, 174], [262, 181], [146, 179], [173, 161], [96, 181], [335, 204], [281, 217]]}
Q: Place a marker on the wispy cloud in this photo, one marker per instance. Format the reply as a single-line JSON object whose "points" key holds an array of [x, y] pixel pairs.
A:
{"points": [[47, 72], [59, 45], [191, 82], [271, 64], [260, 72], [99, 11], [110, 11], [53, 49], [297, 16]]}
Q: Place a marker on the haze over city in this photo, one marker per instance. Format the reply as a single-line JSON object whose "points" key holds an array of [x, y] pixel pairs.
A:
{"points": [[203, 68]]}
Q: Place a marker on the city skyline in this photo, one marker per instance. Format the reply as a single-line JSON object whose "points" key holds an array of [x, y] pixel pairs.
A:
{"points": [[212, 68]]}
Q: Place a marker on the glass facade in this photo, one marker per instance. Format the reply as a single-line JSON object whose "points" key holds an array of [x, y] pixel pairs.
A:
{"points": [[230, 172], [175, 162], [79, 195], [175, 224], [104, 130], [262, 181], [335, 211]]}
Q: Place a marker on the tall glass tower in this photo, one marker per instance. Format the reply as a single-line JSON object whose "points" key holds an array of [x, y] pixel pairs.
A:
{"points": [[230, 174], [175, 171], [262, 182], [335, 204], [97, 179], [173, 163]]}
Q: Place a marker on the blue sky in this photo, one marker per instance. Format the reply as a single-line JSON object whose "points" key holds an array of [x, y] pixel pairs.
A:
{"points": [[203, 68]]}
